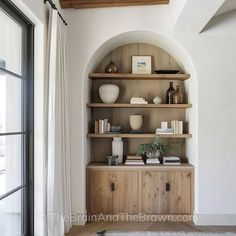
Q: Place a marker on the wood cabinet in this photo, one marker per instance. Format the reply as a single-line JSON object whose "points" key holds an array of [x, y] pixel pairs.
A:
{"points": [[149, 190], [166, 192], [113, 192]]}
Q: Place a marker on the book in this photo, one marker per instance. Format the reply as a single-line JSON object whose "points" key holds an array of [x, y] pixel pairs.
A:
{"points": [[164, 131], [96, 127], [101, 127], [130, 157], [180, 127], [152, 161], [134, 162]]}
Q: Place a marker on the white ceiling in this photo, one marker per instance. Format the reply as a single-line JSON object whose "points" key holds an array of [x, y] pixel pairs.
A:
{"points": [[229, 5]]}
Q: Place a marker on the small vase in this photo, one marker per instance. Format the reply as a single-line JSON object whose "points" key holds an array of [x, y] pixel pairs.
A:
{"points": [[178, 96], [111, 68], [136, 122], [117, 149], [169, 94], [156, 100]]}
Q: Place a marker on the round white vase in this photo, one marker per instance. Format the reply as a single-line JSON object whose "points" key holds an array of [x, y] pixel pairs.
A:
{"points": [[109, 93], [156, 100], [117, 149], [136, 122]]}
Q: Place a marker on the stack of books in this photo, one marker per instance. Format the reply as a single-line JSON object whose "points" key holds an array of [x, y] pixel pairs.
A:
{"points": [[138, 101], [102, 126], [152, 161], [164, 131], [134, 160], [177, 126]]}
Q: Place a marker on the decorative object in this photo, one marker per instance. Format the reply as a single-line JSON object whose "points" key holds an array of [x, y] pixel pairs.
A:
{"points": [[109, 93], [117, 149], [112, 160], [170, 93], [164, 125], [136, 122], [166, 71], [152, 150], [116, 129], [138, 101], [178, 96], [111, 68], [141, 64], [156, 100]]}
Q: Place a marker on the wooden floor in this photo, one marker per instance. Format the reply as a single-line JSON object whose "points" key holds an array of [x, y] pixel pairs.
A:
{"points": [[93, 228]]}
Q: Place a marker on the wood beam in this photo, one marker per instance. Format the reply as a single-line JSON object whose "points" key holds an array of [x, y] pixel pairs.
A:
{"points": [[81, 4]]}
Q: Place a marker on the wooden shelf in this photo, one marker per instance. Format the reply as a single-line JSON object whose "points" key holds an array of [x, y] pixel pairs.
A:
{"points": [[127, 105], [90, 135], [123, 167], [104, 76]]}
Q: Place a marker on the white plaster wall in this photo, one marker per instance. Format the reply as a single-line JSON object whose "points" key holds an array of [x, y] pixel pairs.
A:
{"points": [[209, 57]]}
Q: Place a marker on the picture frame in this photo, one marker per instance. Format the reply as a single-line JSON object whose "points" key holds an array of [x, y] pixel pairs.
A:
{"points": [[141, 65]]}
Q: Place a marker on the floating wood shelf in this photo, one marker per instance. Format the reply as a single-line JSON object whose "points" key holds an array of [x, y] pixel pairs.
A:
{"points": [[139, 135], [104, 76], [127, 105]]}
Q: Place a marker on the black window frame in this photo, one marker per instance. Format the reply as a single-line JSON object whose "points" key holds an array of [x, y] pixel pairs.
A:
{"points": [[27, 74]]}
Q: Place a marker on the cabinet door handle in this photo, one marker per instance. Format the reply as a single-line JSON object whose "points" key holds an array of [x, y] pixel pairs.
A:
{"points": [[112, 187], [167, 187]]}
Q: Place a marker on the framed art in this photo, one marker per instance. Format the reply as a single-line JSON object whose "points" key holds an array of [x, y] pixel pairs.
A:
{"points": [[141, 64]]}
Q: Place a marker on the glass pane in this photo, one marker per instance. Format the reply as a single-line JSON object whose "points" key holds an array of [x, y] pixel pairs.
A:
{"points": [[10, 215], [10, 103], [10, 163], [10, 44]]}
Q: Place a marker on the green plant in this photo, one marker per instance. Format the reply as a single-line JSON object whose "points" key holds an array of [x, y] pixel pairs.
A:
{"points": [[156, 145]]}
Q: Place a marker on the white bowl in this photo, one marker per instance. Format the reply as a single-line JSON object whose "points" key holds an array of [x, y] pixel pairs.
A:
{"points": [[109, 93]]}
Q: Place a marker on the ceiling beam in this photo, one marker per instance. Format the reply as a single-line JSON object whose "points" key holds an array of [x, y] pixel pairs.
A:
{"points": [[81, 4]]}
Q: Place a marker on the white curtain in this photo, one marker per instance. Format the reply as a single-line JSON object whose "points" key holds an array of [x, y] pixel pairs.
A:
{"points": [[57, 197]]}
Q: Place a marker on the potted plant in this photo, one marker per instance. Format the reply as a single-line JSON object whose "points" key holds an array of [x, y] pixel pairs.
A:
{"points": [[152, 150]]}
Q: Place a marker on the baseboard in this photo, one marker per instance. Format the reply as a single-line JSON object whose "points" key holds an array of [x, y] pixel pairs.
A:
{"points": [[215, 219]]}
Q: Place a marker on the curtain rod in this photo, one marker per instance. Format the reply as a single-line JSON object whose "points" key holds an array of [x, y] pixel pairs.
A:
{"points": [[53, 5]]}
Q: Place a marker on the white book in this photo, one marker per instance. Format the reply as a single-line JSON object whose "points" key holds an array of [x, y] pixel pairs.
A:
{"points": [[180, 127], [101, 126], [105, 125], [176, 127]]}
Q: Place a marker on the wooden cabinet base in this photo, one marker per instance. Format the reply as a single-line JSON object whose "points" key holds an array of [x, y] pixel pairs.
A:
{"points": [[121, 192]]}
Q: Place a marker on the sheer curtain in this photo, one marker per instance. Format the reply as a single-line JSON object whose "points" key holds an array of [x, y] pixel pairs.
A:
{"points": [[57, 197]]}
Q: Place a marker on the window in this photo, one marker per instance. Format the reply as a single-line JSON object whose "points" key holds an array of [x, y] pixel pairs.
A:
{"points": [[16, 122]]}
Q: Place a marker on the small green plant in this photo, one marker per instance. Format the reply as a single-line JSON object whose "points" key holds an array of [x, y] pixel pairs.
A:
{"points": [[153, 147]]}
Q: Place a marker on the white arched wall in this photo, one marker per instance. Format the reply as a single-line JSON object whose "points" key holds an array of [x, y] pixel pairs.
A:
{"points": [[184, 60]]}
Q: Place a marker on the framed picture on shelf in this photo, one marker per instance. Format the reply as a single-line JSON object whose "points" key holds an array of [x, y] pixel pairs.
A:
{"points": [[141, 65]]}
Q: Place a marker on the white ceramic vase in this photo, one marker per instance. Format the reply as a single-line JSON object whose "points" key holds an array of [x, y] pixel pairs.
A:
{"points": [[156, 100], [109, 93], [136, 122], [117, 149]]}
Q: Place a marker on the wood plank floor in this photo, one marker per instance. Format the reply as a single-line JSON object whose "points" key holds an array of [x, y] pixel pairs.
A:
{"points": [[93, 228]]}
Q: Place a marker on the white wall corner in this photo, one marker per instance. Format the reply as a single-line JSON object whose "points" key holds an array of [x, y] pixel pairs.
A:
{"points": [[215, 219], [195, 15]]}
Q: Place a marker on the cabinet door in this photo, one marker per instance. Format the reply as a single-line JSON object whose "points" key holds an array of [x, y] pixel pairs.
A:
{"points": [[182, 192], [150, 192], [100, 194], [175, 194], [167, 192], [125, 194]]}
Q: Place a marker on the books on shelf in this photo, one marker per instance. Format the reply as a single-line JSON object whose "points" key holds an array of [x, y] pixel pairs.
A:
{"points": [[138, 101], [134, 160], [101, 126], [164, 131], [154, 161], [177, 126], [171, 160]]}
